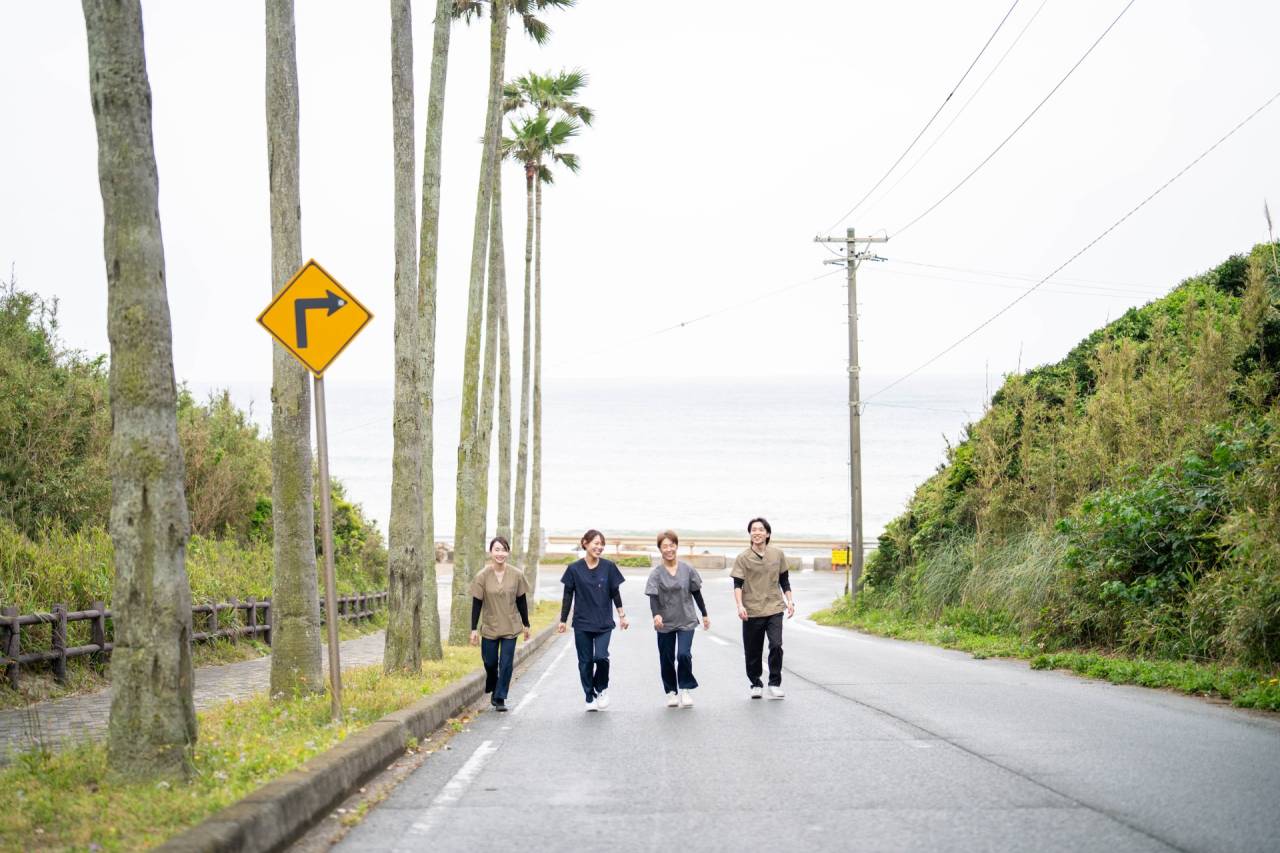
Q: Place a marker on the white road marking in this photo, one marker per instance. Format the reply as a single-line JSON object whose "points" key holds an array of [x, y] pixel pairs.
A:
{"points": [[713, 638], [453, 789], [533, 691]]}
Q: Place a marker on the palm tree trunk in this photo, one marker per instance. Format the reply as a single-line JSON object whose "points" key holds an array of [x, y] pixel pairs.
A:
{"points": [[504, 409], [153, 721], [535, 511], [522, 454], [430, 244], [405, 542], [468, 552], [488, 382], [295, 599]]}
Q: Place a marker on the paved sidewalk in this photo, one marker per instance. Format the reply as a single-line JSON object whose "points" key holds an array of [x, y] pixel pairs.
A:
{"points": [[79, 717]]}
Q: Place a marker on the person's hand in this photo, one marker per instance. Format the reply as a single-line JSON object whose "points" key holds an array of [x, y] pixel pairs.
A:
{"points": [[706, 623], [526, 634], [657, 621], [742, 613], [625, 624], [791, 609], [475, 638], [560, 628]]}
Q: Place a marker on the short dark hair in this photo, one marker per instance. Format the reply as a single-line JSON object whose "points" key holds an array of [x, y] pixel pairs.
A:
{"points": [[768, 531], [668, 534], [588, 536], [502, 539]]}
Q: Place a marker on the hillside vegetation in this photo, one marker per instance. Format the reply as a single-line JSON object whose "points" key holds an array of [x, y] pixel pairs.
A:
{"points": [[1126, 498], [55, 488]]}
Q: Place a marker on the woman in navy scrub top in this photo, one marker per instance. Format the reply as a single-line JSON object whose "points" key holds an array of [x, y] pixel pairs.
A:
{"points": [[590, 586]]}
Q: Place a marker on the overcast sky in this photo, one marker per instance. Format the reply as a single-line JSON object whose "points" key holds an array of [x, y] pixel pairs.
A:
{"points": [[728, 134]]}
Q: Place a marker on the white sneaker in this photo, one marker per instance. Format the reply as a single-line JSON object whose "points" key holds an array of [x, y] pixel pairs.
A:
{"points": [[602, 699], [672, 700], [591, 705], [757, 692], [777, 693], [686, 700]]}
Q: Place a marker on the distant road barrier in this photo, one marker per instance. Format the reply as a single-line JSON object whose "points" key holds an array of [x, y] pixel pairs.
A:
{"points": [[690, 544], [255, 621]]}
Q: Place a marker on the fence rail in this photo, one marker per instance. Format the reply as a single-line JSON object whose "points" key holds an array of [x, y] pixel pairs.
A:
{"points": [[249, 618]]}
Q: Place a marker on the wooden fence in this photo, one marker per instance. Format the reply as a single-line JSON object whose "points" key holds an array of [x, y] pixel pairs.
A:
{"points": [[250, 618]]}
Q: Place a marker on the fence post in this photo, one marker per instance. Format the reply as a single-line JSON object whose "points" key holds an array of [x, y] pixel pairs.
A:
{"points": [[59, 628], [235, 619], [251, 617], [266, 620], [213, 620], [13, 645], [98, 634]]}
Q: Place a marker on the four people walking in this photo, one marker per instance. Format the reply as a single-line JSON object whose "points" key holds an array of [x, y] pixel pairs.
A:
{"points": [[499, 610], [592, 591]]}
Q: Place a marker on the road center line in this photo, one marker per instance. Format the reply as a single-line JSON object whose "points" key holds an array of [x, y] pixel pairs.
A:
{"points": [[533, 691], [453, 789]]}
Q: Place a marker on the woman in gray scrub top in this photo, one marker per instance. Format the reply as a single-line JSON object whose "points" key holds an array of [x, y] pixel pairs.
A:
{"points": [[674, 588]]}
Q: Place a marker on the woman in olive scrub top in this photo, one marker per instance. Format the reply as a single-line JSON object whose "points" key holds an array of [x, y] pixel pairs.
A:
{"points": [[762, 590], [500, 609]]}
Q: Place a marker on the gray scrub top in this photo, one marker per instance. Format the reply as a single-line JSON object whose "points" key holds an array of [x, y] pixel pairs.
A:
{"points": [[675, 596]]}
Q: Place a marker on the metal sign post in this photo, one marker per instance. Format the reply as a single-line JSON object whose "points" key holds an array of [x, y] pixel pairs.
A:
{"points": [[314, 318]]}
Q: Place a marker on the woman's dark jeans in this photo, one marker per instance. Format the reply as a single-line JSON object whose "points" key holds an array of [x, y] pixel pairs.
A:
{"points": [[498, 656], [593, 660], [675, 660]]}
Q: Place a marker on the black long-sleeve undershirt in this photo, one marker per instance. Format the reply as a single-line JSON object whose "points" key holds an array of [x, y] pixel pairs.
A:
{"points": [[697, 599], [567, 602], [784, 581], [522, 607]]}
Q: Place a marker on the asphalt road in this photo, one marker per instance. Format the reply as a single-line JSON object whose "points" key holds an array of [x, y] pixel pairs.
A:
{"points": [[879, 745]]}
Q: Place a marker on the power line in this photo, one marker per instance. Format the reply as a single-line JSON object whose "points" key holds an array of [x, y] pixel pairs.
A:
{"points": [[1086, 247], [929, 123], [1024, 277], [1021, 124], [965, 105], [1058, 288]]}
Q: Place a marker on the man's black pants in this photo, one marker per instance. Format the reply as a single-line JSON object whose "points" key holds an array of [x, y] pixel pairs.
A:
{"points": [[753, 634]]}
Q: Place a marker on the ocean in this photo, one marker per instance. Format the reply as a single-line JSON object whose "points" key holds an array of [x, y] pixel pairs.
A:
{"points": [[695, 455]]}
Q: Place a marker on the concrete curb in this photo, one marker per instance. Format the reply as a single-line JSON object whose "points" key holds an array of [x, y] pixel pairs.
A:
{"points": [[279, 812]]}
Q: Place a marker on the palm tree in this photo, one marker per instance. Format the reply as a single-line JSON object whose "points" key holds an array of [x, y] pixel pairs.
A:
{"points": [[474, 433], [406, 551], [153, 721], [535, 140], [295, 598]]}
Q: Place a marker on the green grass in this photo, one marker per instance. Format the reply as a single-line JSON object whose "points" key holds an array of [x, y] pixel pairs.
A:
{"points": [[69, 799], [965, 630]]}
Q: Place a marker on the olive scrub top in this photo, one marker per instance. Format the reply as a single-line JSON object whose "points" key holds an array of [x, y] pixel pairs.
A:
{"points": [[500, 606], [762, 580]]}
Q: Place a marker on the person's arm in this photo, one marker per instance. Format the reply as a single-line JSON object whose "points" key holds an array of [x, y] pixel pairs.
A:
{"points": [[737, 598], [617, 605], [565, 604], [700, 601], [784, 581], [476, 604], [522, 607]]}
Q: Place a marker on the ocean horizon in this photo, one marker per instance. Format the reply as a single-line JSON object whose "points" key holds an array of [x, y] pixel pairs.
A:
{"points": [[698, 455]]}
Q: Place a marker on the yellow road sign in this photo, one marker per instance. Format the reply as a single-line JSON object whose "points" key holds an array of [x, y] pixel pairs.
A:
{"points": [[839, 556], [314, 317]]}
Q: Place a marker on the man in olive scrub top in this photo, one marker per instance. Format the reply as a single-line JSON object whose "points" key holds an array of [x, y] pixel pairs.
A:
{"points": [[762, 590]]}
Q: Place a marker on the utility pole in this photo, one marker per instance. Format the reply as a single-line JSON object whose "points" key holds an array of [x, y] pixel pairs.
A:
{"points": [[853, 569]]}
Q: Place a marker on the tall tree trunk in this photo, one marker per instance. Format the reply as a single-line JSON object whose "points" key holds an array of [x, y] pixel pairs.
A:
{"points": [[504, 404], [406, 546], [522, 454], [535, 501], [295, 600], [492, 333], [430, 245], [153, 721], [468, 553]]}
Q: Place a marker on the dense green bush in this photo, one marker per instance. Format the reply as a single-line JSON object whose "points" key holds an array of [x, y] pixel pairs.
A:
{"points": [[1125, 497]]}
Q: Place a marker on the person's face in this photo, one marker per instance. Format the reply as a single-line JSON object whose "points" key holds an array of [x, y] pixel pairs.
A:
{"points": [[668, 549], [596, 547], [499, 554], [758, 534]]}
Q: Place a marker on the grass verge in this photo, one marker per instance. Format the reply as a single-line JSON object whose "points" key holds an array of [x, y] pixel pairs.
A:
{"points": [[68, 799], [961, 629]]}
